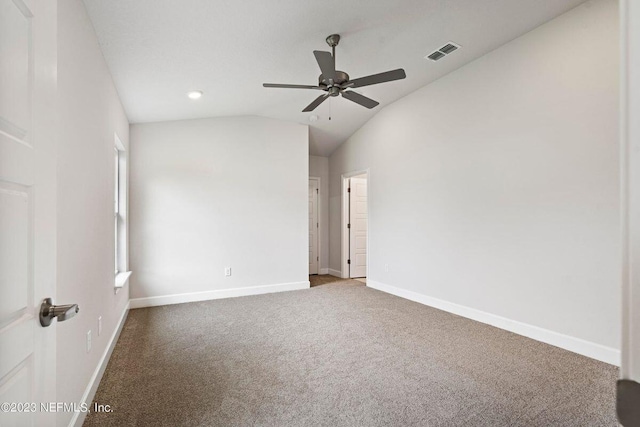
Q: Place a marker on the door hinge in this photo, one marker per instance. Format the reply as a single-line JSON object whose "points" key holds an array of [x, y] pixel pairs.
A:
{"points": [[317, 191], [348, 225], [349, 190], [348, 261], [317, 258], [317, 225]]}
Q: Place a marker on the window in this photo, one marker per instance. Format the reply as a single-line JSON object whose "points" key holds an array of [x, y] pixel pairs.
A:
{"points": [[116, 204], [120, 214]]}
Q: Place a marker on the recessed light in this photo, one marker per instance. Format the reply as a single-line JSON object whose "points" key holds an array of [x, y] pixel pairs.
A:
{"points": [[194, 94]]}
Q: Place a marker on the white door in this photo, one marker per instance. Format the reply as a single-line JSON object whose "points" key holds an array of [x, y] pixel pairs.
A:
{"points": [[358, 227], [313, 227], [27, 207]]}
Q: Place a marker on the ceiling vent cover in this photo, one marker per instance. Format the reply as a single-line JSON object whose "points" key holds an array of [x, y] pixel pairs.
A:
{"points": [[436, 55], [445, 50]]}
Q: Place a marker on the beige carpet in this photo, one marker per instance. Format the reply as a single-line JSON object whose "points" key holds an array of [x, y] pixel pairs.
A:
{"points": [[341, 355], [324, 279]]}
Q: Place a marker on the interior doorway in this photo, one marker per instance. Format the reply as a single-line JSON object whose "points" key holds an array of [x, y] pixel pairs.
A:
{"points": [[355, 225], [314, 225]]}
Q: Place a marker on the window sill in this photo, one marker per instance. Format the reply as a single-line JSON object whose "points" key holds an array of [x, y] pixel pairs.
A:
{"points": [[122, 279]]}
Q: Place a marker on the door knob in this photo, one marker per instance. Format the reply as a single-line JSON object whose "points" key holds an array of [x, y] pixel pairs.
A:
{"points": [[48, 312]]}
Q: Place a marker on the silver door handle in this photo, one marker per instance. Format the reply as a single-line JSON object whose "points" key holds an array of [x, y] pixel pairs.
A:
{"points": [[48, 312]]}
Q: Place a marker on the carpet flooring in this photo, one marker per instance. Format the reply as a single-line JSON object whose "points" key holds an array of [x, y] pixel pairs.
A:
{"points": [[341, 355], [324, 279]]}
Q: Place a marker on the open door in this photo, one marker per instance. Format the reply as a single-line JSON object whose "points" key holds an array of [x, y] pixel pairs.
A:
{"points": [[314, 257], [27, 209], [358, 225]]}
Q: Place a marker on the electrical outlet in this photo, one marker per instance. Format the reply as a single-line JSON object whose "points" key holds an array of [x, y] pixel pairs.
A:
{"points": [[89, 341], [99, 325], [227, 271]]}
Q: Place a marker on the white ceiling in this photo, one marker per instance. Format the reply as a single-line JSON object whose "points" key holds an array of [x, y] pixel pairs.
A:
{"points": [[157, 50]]}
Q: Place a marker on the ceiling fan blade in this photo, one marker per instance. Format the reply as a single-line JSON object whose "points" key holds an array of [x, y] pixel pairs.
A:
{"points": [[359, 99], [326, 63], [290, 86], [319, 100], [374, 79]]}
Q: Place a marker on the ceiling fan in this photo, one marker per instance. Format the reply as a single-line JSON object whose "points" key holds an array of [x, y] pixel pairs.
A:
{"points": [[335, 82]]}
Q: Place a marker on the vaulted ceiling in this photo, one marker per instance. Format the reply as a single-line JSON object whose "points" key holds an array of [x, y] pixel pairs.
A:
{"points": [[158, 50]]}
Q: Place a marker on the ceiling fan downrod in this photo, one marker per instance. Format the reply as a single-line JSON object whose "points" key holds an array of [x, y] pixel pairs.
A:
{"points": [[333, 41]]}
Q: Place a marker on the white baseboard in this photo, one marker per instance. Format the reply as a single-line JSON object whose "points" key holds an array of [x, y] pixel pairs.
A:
{"points": [[576, 345], [336, 273], [217, 294], [87, 397], [324, 271]]}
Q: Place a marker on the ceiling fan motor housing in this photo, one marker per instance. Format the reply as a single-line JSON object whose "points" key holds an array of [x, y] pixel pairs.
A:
{"points": [[341, 78]]}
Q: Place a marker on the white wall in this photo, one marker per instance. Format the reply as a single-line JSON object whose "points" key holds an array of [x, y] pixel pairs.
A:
{"points": [[319, 167], [214, 193], [496, 187], [89, 114]]}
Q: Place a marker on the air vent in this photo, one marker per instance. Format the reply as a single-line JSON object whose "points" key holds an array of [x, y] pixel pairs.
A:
{"points": [[443, 51], [448, 48], [436, 55]]}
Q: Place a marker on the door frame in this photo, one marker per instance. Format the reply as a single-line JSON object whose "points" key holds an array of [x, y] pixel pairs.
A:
{"points": [[344, 233], [318, 208], [629, 385]]}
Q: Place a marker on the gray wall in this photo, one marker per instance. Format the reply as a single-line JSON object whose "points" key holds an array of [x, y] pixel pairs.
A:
{"points": [[214, 193], [496, 187], [89, 113]]}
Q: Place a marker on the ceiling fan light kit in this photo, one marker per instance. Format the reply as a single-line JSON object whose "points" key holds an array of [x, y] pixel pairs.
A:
{"points": [[335, 82]]}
